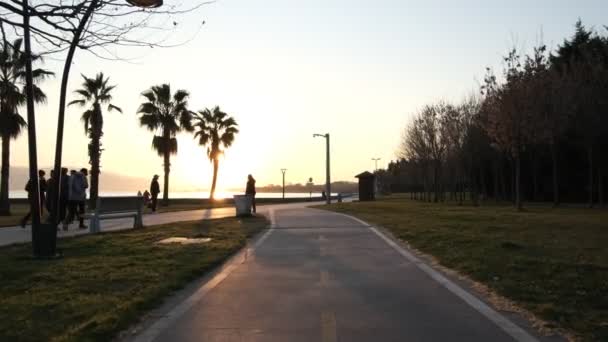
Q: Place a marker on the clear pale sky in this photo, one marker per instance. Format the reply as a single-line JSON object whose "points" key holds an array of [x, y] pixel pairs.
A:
{"points": [[286, 69]]}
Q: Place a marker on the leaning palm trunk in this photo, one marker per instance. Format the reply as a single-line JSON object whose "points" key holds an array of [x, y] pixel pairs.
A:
{"points": [[214, 182], [5, 206]]}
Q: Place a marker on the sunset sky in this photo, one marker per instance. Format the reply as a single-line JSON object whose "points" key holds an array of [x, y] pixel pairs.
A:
{"points": [[286, 69]]}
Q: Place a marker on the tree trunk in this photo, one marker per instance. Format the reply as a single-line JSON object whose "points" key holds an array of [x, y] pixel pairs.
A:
{"points": [[454, 187], [496, 167], [590, 160], [484, 187], [600, 186], [5, 205], [436, 181], [518, 201], [167, 155], [513, 172], [535, 189], [473, 189], [461, 189], [213, 183], [95, 155], [555, 176], [503, 185]]}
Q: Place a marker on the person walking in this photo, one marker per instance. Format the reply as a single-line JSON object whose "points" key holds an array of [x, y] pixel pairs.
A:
{"points": [[50, 192], [250, 190], [42, 189], [154, 191], [64, 192], [78, 185]]}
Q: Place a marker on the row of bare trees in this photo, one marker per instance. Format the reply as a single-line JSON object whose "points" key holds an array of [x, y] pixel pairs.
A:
{"points": [[537, 131]]}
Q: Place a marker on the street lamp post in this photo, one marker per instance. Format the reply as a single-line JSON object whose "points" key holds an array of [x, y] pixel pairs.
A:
{"points": [[376, 160], [283, 172], [327, 167]]}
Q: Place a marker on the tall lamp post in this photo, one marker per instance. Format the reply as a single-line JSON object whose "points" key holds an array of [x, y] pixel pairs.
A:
{"points": [[327, 169], [283, 172], [376, 160]]}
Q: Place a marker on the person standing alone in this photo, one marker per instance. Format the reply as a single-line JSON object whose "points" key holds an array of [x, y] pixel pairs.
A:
{"points": [[154, 191], [250, 190]]}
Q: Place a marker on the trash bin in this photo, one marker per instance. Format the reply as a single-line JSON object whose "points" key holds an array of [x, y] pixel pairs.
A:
{"points": [[242, 203]]}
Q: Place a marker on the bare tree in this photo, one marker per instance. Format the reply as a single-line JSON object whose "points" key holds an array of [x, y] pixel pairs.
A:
{"points": [[508, 115], [96, 26]]}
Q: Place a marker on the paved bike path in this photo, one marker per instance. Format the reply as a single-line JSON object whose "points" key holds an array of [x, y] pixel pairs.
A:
{"points": [[321, 276]]}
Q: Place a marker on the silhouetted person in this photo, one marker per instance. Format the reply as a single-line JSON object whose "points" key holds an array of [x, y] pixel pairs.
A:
{"points": [[250, 190], [64, 181], [323, 195], [30, 190], [78, 186], [147, 198], [154, 191], [50, 192]]}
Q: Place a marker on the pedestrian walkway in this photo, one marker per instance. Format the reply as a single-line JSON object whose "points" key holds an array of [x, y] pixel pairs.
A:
{"points": [[11, 235], [321, 276]]}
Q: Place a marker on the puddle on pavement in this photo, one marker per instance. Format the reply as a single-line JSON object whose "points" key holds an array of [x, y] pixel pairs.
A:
{"points": [[183, 241]]}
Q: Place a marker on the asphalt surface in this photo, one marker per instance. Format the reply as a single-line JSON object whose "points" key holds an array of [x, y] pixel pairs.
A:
{"points": [[321, 276]]}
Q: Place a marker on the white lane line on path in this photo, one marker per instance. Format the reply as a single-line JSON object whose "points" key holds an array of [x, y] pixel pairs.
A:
{"points": [[152, 332], [501, 321], [328, 327]]}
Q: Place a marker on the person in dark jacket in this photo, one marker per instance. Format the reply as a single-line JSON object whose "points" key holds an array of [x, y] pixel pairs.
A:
{"points": [[42, 189], [64, 194], [77, 197], [50, 192], [154, 191], [250, 190]]}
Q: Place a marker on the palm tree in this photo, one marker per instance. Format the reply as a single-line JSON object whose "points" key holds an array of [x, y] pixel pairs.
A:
{"points": [[166, 115], [12, 96], [214, 129], [96, 92]]}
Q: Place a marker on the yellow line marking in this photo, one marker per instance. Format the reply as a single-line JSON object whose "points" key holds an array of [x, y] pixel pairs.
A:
{"points": [[328, 327], [324, 278]]}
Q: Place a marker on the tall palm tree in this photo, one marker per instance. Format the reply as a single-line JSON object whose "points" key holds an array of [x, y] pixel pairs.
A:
{"points": [[12, 96], [96, 92], [166, 115], [214, 129]]}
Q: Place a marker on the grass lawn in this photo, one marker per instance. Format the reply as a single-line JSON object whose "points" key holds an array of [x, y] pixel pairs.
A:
{"points": [[106, 282], [552, 262]]}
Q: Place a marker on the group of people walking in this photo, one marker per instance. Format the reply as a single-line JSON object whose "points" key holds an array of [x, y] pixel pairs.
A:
{"points": [[72, 196]]}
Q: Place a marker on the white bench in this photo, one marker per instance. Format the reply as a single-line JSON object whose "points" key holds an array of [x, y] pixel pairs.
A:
{"points": [[108, 208]]}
